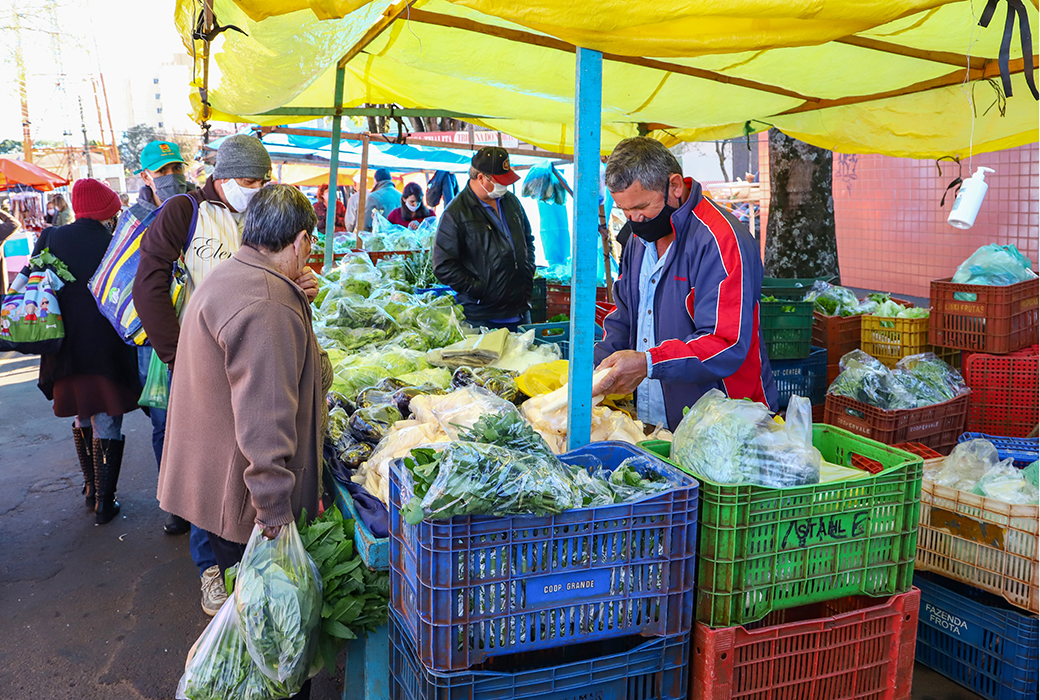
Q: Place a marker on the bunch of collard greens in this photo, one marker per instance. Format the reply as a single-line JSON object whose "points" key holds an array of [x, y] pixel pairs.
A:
{"points": [[356, 597], [832, 300], [501, 466], [917, 381]]}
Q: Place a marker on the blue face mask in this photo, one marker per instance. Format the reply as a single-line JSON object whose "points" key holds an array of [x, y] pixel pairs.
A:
{"points": [[170, 185]]}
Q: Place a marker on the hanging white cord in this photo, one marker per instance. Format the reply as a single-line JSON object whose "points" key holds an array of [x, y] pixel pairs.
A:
{"points": [[976, 33]]}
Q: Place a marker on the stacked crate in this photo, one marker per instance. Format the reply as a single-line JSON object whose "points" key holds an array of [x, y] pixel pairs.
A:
{"points": [[806, 591], [799, 368], [592, 601], [981, 592]]}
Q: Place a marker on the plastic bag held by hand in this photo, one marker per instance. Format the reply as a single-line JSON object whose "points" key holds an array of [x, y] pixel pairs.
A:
{"points": [[156, 392], [278, 600]]}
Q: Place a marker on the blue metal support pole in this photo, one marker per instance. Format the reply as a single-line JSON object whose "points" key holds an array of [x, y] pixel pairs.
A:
{"points": [[588, 98], [330, 215]]}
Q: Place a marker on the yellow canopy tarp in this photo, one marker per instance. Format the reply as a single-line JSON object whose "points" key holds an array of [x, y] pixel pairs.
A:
{"points": [[886, 77]]}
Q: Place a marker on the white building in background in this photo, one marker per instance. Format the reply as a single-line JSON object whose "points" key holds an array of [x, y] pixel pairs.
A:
{"points": [[159, 97]]}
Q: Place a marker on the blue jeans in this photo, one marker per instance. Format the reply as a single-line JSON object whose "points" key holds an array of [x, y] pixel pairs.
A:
{"points": [[201, 552], [104, 426]]}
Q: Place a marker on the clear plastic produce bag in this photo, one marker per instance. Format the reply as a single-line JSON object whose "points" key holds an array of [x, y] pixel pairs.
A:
{"points": [[278, 599], [963, 468], [219, 666], [736, 442], [866, 380], [937, 373], [995, 266], [1006, 483]]}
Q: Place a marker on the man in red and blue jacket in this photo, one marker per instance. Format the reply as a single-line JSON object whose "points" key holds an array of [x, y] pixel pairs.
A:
{"points": [[687, 317]]}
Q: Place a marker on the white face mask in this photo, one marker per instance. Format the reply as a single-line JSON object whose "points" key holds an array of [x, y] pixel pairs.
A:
{"points": [[412, 207], [498, 191], [237, 196]]}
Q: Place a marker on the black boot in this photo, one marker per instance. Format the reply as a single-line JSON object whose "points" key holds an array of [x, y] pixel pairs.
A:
{"points": [[108, 458], [84, 438]]}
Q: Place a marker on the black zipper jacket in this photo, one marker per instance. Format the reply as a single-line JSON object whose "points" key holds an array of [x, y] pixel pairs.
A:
{"points": [[492, 278]]}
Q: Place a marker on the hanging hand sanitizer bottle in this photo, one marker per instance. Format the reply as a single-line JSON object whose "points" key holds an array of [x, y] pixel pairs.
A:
{"points": [[969, 199]]}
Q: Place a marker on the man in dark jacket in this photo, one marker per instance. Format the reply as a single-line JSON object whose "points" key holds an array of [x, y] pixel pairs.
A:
{"points": [[484, 247], [687, 317]]}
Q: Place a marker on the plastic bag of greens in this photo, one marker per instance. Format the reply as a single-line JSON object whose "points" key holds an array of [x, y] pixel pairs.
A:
{"points": [[947, 382], [499, 382], [219, 666], [156, 393], [461, 409], [963, 468], [832, 300], [866, 380], [353, 312], [277, 599], [480, 479], [1006, 483], [736, 441]]}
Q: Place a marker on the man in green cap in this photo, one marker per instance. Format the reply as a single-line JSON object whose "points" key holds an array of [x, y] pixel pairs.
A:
{"points": [[162, 169]]}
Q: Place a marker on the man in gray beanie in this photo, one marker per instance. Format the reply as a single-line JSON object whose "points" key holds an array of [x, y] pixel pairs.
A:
{"points": [[200, 230]]}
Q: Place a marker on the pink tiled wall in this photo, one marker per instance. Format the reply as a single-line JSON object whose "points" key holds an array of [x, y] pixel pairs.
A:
{"points": [[892, 233]]}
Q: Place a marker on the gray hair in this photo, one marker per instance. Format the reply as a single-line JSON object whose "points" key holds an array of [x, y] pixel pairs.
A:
{"points": [[276, 215], [641, 159], [473, 172]]}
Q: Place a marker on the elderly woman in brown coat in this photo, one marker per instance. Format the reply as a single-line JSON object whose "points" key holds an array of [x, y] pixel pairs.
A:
{"points": [[247, 402]]}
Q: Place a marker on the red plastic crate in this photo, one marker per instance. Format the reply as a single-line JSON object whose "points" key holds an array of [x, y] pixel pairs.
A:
{"points": [[937, 426], [1004, 393], [873, 466], [999, 321], [558, 299], [838, 335], [855, 647]]}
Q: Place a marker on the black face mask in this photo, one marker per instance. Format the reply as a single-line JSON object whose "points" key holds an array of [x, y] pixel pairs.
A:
{"points": [[656, 228]]}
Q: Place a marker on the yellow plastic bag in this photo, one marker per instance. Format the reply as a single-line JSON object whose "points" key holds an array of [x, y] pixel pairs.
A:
{"points": [[543, 378]]}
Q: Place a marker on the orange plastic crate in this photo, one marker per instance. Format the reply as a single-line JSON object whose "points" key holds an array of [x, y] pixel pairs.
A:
{"points": [[1000, 319], [937, 426], [858, 647]]}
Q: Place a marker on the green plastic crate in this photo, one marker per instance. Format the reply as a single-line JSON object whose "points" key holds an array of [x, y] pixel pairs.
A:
{"points": [[790, 288], [786, 328], [763, 549]]}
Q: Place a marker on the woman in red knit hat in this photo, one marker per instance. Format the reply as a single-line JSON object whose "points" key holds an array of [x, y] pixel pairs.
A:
{"points": [[93, 377]]}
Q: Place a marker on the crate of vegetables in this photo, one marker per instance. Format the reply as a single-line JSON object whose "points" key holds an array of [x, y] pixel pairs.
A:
{"points": [[1024, 451], [890, 338], [764, 549], [786, 327], [922, 400], [1005, 390], [981, 541], [977, 639], [470, 586], [987, 319], [824, 650]]}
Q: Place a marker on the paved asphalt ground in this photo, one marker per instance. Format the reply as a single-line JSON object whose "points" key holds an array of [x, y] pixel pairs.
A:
{"points": [[109, 612]]}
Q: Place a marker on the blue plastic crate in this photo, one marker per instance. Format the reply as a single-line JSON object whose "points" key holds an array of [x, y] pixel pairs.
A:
{"points": [[806, 377], [473, 587], [628, 669], [1024, 451], [977, 639]]}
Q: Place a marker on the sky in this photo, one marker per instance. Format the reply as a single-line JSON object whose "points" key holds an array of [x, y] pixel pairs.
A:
{"points": [[117, 37]]}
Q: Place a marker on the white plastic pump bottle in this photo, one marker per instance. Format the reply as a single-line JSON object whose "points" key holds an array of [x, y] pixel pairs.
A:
{"points": [[969, 199]]}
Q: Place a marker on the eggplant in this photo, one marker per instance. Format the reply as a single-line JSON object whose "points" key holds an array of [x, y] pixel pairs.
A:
{"points": [[334, 399], [464, 376], [403, 396], [353, 453], [390, 385], [374, 396], [373, 423]]}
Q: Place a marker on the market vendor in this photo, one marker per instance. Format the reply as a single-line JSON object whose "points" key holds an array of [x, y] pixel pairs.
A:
{"points": [[687, 317], [484, 248]]}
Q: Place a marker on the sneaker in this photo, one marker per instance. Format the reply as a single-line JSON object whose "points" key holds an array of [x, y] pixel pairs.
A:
{"points": [[213, 593]]}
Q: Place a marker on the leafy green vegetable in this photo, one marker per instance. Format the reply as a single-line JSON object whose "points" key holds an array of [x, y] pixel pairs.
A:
{"points": [[356, 597], [507, 429], [47, 259]]}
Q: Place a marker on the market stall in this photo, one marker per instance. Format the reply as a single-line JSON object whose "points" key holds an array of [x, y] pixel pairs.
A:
{"points": [[486, 559]]}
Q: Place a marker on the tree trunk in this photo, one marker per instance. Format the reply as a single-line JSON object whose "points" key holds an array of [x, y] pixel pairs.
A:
{"points": [[800, 234]]}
